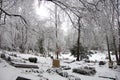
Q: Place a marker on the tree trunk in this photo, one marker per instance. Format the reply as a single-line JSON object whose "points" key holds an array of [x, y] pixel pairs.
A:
{"points": [[78, 41], [0, 42], [1, 7], [56, 29], [78, 44], [118, 13], [119, 42], [108, 48], [48, 48], [115, 49]]}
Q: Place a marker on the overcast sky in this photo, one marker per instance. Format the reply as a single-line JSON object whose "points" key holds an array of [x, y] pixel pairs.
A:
{"points": [[41, 9]]}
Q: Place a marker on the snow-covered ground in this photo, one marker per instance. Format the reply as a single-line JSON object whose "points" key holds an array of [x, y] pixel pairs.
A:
{"points": [[8, 72]]}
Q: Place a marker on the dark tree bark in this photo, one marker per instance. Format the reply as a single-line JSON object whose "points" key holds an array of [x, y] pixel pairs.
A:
{"points": [[107, 40], [118, 13], [115, 49], [119, 42], [78, 40], [1, 7]]}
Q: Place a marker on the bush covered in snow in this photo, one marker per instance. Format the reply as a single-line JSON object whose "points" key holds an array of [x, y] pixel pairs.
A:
{"points": [[6, 57], [9, 58], [102, 63], [2, 56], [15, 55], [85, 70], [83, 51], [33, 59], [63, 74], [87, 60]]}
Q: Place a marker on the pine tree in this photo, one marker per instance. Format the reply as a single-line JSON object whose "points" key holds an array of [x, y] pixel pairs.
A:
{"points": [[40, 46], [82, 51]]}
